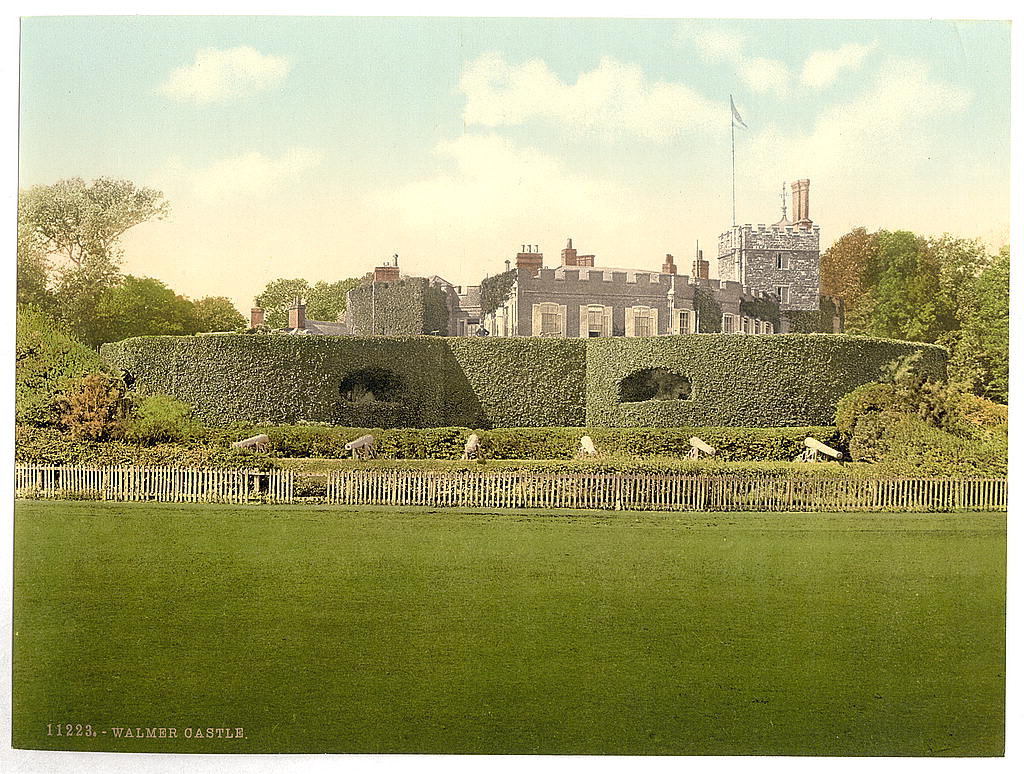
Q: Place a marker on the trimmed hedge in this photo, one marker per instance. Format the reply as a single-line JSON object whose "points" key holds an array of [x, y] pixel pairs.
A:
{"points": [[740, 380], [751, 381], [46, 446]]}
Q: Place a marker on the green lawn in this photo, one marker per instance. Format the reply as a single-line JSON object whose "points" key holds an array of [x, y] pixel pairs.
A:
{"points": [[322, 630]]}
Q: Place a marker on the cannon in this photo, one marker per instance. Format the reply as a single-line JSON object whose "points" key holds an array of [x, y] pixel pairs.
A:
{"points": [[698, 447], [815, 450], [259, 442], [472, 450], [587, 448], [364, 447]]}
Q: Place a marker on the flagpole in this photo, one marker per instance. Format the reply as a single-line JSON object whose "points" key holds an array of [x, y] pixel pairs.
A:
{"points": [[732, 137]]}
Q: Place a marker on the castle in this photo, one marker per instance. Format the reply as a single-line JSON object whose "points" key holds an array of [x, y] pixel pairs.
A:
{"points": [[768, 283]]}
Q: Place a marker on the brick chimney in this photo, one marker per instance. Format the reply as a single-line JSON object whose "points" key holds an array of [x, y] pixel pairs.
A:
{"points": [[669, 267], [257, 317], [701, 268], [297, 315], [530, 259], [801, 203], [569, 254]]}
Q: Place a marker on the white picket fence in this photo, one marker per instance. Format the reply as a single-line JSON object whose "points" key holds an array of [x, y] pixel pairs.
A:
{"points": [[515, 489], [166, 484], [651, 492]]}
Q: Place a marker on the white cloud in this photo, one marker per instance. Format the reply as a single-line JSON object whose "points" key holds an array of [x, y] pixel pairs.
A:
{"points": [[247, 176], [759, 74], [822, 67], [221, 74], [613, 98]]}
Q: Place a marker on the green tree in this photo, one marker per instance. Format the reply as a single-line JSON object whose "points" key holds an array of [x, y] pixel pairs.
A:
{"points": [[217, 313], [845, 269], [980, 358], [326, 300], [141, 306], [83, 222], [277, 298], [33, 270]]}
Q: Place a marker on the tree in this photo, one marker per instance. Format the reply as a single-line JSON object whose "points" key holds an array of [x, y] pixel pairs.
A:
{"points": [[324, 300], [327, 300], [845, 267], [277, 298], [141, 307], [217, 313], [83, 222], [980, 358]]}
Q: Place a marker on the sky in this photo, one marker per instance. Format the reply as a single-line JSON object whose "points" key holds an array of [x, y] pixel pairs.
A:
{"points": [[319, 147]]}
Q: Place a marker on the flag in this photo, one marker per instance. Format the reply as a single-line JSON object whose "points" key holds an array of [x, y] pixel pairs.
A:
{"points": [[736, 119]]}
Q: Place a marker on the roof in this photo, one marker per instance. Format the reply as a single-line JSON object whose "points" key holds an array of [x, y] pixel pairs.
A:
{"points": [[321, 328]]}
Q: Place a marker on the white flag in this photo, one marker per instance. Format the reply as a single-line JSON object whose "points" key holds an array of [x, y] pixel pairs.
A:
{"points": [[736, 119]]}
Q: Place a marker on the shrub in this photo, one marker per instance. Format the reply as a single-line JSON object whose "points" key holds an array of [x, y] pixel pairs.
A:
{"points": [[160, 418], [95, 408], [47, 361]]}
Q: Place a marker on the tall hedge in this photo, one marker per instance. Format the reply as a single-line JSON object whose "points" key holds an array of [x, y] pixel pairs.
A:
{"points": [[756, 381], [760, 381]]}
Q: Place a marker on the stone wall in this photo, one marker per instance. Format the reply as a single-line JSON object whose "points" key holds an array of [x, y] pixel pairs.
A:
{"points": [[760, 247]]}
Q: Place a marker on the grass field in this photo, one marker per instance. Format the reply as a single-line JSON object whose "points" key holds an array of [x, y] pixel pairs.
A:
{"points": [[318, 630]]}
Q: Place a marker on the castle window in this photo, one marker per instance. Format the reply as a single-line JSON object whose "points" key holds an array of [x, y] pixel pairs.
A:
{"points": [[595, 321], [781, 261], [767, 327], [549, 320], [745, 325], [782, 291], [641, 321], [685, 325], [728, 323]]}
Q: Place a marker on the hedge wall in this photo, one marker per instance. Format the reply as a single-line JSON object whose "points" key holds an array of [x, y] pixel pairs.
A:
{"points": [[280, 379], [757, 381]]}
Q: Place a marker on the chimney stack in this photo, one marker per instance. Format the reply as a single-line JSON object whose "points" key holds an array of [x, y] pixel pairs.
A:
{"points": [[801, 203], [701, 268], [257, 317], [669, 267], [531, 261], [569, 254], [297, 315]]}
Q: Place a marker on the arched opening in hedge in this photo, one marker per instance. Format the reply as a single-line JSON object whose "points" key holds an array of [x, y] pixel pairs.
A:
{"points": [[371, 385], [654, 384]]}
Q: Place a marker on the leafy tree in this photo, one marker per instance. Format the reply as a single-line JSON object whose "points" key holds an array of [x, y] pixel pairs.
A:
{"points": [[324, 300], [277, 298], [83, 222], [217, 313], [141, 307], [980, 358], [845, 268], [33, 270]]}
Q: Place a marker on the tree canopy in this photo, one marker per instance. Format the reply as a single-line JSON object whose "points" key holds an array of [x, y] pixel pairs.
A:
{"points": [[324, 300], [141, 306], [217, 313]]}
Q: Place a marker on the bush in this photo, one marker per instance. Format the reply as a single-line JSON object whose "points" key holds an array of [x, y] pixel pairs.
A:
{"points": [[94, 408], [160, 419], [47, 361], [49, 446]]}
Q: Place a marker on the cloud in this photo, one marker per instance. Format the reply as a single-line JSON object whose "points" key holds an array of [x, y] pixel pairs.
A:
{"points": [[221, 74], [822, 67], [874, 154], [613, 98], [249, 175], [759, 74]]}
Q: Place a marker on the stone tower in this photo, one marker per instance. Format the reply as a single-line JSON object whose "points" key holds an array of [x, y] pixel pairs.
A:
{"points": [[783, 258]]}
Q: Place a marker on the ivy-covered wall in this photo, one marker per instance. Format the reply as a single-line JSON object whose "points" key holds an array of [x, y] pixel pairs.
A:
{"points": [[766, 381], [406, 307], [280, 379], [739, 380]]}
